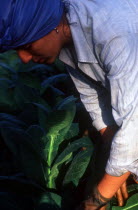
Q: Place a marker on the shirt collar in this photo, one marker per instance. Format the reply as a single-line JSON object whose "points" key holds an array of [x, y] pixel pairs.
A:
{"points": [[81, 30]]}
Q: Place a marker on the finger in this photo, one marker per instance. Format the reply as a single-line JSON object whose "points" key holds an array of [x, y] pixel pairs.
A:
{"points": [[120, 198], [124, 190]]}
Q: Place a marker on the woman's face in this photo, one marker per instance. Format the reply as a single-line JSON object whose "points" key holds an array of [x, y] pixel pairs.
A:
{"points": [[44, 50]]}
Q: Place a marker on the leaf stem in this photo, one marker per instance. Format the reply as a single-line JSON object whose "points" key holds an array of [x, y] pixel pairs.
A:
{"points": [[49, 160]]}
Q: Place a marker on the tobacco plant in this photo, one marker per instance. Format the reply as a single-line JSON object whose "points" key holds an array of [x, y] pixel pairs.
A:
{"points": [[36, 124]]}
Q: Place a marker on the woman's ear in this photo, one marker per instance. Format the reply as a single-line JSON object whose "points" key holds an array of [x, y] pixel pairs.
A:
{"points": [[66, 30]]}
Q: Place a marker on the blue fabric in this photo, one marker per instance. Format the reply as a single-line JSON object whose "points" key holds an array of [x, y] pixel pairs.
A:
{"points": [[24, 21]]}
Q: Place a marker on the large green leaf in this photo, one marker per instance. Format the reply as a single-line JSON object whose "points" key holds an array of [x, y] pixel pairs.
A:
{"points": [[30, 80], [132, 203], [37, 133], [66, 103], [59, 65], [48, 200], [58, 125], [27, 153], [11, 119], [24, 94], [55, 170], [52, 80], [66, 155], [7, 67], [5, 83], [43, 111], [10, 58], [31, 67], [83, 142], [78, 166], [6, 95], [43, 107], [29, 114], [4, 72], [56, 92], [73, 131]]}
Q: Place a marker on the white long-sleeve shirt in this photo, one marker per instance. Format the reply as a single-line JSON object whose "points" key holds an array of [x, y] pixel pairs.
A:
{"points": [[105, 37]]}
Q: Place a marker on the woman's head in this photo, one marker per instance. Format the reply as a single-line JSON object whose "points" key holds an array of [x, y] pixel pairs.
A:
{"points": [[24, 21], [46, 49]]}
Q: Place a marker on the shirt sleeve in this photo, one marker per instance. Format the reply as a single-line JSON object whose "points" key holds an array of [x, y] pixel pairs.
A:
{"points": [[95, 98], [120, 58]]}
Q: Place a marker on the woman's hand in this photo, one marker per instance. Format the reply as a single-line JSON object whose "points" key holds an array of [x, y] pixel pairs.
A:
{"points": [[107, 136], [122, 194], [107, 188], [109, 185]]}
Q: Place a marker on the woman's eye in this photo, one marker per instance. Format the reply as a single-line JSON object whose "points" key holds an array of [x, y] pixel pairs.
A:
{"points": [[27, 47], [24, 47]]}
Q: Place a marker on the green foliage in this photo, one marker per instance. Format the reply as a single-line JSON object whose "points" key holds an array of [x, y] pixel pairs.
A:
{"points": [[132, 188], [78, 166], [37, 150], [48, 201], [36, 124], [52, 79]]}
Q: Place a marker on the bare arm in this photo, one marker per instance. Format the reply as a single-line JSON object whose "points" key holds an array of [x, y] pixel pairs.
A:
{"points": [[108, 185], [115, 184]]}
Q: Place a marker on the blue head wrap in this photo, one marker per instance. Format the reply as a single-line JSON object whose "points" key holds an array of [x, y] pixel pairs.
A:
{"points": [[24, 21]]}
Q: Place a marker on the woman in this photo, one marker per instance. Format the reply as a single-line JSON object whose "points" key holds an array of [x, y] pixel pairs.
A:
{"points": [[97, 39]]}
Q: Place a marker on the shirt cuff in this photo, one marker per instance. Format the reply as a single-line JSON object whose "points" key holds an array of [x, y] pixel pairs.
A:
{"points": [[102, 122], [115, 170]]}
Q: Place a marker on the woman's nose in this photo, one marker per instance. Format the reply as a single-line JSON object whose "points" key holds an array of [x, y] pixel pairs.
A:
{"points": [[24, 56]]}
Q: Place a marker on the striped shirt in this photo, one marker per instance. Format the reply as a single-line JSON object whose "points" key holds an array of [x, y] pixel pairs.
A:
{"points": [[105, 37]]}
